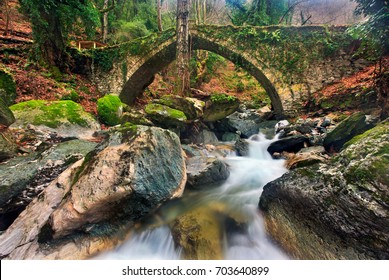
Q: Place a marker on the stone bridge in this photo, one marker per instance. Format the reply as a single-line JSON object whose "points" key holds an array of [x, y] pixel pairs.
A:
{"points": [[289, 62]]}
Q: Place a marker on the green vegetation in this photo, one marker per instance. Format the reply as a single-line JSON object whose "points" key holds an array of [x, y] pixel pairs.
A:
{"points": [[164, 115], [51, 113], [7, 87], [109, 109], [222, 98]]}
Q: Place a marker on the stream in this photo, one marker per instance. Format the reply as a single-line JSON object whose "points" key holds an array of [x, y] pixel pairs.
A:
{"points": [[240, 192]]}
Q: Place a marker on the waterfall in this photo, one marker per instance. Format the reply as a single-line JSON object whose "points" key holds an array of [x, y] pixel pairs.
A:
{"points": [[241, 193]]}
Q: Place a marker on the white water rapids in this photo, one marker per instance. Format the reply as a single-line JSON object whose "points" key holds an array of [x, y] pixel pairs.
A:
{"points": [[241, 192]]}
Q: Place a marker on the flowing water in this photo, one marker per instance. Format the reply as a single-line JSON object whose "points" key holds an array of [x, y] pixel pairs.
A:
{"points": [[240, 193]]}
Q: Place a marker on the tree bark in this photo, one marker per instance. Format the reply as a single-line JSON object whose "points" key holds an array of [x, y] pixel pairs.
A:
{"points": [[159, 15], [105, 21], [183, 80], [8, 14]]}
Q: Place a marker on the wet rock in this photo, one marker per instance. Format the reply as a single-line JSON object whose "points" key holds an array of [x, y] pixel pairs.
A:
{"points": [[242, 147], [291, 144], [230, 137], [96, 199], [199, 234], [204, 171], [204, 136], [6, 116], [24, 177], [305, 157], [219, 106], [128, 176], [247, 123], [347, 129], [336, 210]]}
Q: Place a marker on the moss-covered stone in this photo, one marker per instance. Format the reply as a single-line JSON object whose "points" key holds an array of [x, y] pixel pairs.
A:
{"points": [[219, 106], [354, 125], [7, 87], [165, 116], [192, 108], [6, 116], [52, 114], [109, 109]]}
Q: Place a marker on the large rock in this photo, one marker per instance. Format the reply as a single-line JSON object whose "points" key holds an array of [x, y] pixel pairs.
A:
{"points": [[291, 144], [22, 178], [246, 123], [204, 136], [347, 129], [219, 106], [199, 234], [127, 179], [109, 109], [191, 107], [204, 171], [165, 116], [7, 87], [65, 116], [337, 210], [6, 116], [123, 179]]}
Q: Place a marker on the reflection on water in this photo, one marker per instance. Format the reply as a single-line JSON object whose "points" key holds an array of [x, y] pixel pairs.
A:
{"points": [[240, 194]]}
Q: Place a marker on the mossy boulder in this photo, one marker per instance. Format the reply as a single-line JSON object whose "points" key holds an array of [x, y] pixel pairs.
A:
{"points": [[7, 87], [110, 109], [53, 114], [8, 147], [6, 116], [134, 116], [219, 106], [191, 107], [354, 125], [165, 116], [336, 210]]}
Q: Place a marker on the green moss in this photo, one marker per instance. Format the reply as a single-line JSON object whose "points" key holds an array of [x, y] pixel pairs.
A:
{"points": [[221, 97], [109, 109], [165, 115], [7, 83], [51, 114]]}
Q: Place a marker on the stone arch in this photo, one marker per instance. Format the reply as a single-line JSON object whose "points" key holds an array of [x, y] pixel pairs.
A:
{"points": [[143, 72]]}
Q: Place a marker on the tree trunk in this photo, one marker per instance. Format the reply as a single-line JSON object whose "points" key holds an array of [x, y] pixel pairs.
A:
{"points": [[53, 45], [104, 25], [159, 15], [183, 82], [8, 13]]}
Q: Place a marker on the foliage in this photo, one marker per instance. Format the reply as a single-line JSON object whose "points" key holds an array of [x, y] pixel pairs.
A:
{"points": [[52, 22], [256, 12], [109, 109], [374, 31], [221, 98], [127, 31]]}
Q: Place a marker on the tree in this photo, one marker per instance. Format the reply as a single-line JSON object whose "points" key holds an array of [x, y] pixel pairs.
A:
{"points": [[257, 12], [7, 15], [52, 21], [182, 57], [377, 24], [159, 15]]}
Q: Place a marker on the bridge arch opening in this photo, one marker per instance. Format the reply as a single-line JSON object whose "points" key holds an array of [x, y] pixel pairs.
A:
{"points": [[156, 62]]}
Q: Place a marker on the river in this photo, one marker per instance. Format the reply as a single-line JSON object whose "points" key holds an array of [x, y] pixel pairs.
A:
{"points": [[241, 192]]}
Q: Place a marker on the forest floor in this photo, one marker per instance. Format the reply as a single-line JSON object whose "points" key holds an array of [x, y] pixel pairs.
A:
{"points": [[35, 81]]}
